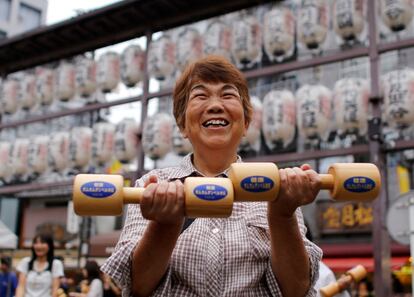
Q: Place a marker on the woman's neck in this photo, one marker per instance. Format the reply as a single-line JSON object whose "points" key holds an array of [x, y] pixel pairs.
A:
{"points": [[213, 163], [41, 259]]}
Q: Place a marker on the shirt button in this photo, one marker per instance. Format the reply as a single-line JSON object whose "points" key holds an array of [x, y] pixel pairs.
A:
{"points": [[215, 230]]}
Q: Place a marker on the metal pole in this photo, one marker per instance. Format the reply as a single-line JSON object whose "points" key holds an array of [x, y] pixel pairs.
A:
{"points": [[382, 274]]}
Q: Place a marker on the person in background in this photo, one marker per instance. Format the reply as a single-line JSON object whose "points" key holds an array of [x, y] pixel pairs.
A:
{"points": [[39, 275], [110, 288], [8, 278], [92, 286]]}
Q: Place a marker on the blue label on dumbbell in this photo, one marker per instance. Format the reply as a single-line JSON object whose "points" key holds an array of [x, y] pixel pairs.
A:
{"points": [[98, 189], [257, 183], [210, 192], [359, 184]]}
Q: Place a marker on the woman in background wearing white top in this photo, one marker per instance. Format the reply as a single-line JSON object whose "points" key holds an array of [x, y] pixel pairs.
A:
{"points": [[94, 284], [39, 274]]}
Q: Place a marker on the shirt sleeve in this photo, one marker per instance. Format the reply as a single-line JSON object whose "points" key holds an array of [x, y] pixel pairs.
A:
{"points": [[23, 265], [96, 288], [57, 268]]}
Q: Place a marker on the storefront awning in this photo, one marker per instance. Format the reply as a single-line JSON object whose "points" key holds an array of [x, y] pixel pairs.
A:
{"points": [[343, 264]]}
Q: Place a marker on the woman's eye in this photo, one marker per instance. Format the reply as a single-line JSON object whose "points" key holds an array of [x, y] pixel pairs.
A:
{"points": [[229, 96]]}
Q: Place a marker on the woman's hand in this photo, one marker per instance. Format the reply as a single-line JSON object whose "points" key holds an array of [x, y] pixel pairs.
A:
{"points": [[163, 202], [298, 186]]}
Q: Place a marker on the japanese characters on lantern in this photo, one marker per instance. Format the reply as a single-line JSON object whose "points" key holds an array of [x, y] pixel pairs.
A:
{"points": [[103, 142], [6, 169], [252, 137], [27, 94], [10, 96], [20, 154], [109, 71], [65, 81], [162, 57], [396, 14], [59, 151], [218, 39], [80, 146], [132, 65], [348, 18], [126, 140], [45, 85], [38, 154], [157, 135], [189, 46], [86, 75]]}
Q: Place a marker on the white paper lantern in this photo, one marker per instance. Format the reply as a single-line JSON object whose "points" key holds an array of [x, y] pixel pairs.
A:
{"points": [[132, 65], [6, 168], [279, 118], [59, 151], [180, 145], [398, 87], [109, 71], [38, 154], [218, 39], [313, 23], [20, 156], [348, 18], [278, 32], [189, 47], [351, 97], [162, 58], [86, 76], [45, 80], [397, 14], [27, 94], [253, 132], [157, 135], [246, 41], [65, 82], [126, 140], [103, 142], [80, 146], [314, 111], [10, 95]]}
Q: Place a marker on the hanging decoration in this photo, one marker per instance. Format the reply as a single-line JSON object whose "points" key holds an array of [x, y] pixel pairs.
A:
{"points": [[20, 153], [189, 47], [162, 58], [38, 154], [27, 94], [398, 90], [246, 41], [109, 71], [132, 65], [6, 168], [103, 142], [253, 132], [279, 118], [350, 98], [181, 146], [157, 135], [59, 151], [80, 146], [278, 32], [126, 140], [314, 105], [65, 87], [348, 18], [397, 14], [10, 96], [218, 39], [313, 23], [86, 75], [44, 85]]}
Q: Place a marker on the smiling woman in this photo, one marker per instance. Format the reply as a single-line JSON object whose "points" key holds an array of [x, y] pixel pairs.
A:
{"points": [[260, 250]]}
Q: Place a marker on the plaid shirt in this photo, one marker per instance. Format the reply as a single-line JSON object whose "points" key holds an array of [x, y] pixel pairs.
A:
{"points": [[213, 256]]}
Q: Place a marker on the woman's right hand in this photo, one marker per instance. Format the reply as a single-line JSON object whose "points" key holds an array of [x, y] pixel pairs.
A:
{"points": [[163, 202]]}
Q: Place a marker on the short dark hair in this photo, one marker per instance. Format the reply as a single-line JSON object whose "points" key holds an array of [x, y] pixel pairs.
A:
{"points": [[6, 260]]}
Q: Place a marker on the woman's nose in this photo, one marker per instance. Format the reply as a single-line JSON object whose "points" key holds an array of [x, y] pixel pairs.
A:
{"points": [[215, 104]]}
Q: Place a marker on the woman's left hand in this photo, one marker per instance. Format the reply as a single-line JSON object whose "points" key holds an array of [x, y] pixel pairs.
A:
{"points": [[298, 186]]}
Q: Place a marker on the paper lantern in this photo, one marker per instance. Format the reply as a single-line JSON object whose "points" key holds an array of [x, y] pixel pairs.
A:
{"points": [[44, 85], [157, 135], [278, 32], [180, 145], [314, 111], [6, 168], [80, 146], [132, 65], [27, 94], [398, 89], [348, 18], [350, 98], [38, 154], [218, 39], [103, 142], [59, 151], [189, 47], [246, 41], [20, 154], [162, 58], [109, 71], [65, 81], [397, 14], [10, 96], [279, 118], [86, 76], [253, 132], [313, 23], [126, 140]]}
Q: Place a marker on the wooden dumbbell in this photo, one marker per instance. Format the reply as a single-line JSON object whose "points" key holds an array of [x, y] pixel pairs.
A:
{"points": [[95, 194], [353, 275]]}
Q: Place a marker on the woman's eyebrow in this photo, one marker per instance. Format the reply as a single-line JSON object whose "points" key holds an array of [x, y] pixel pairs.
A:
{"points": [[198, 87], [229, 87]]}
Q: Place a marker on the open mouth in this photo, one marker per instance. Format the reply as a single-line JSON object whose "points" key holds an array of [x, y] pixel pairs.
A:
{"points": [[215, 123]]}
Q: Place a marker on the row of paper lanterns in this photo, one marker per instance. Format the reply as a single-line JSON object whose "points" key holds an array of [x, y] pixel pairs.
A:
{"points": [[62, 151], [314, 110]]}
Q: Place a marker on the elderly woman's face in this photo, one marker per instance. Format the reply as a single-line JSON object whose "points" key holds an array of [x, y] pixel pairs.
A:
{"points": [[214, 118]]}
